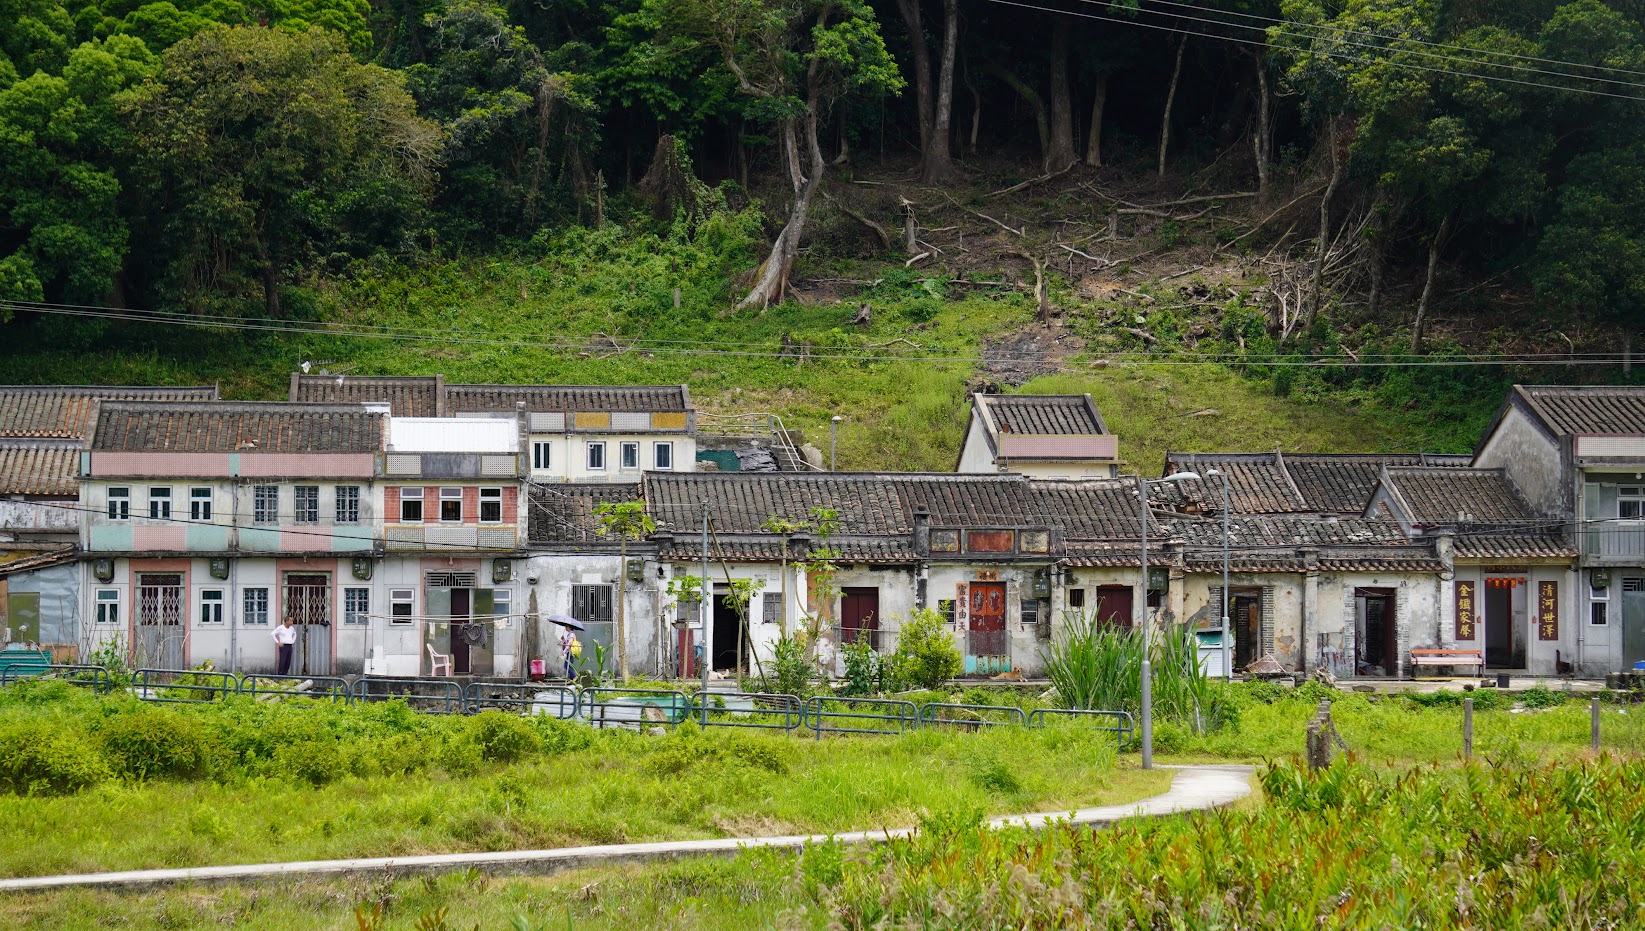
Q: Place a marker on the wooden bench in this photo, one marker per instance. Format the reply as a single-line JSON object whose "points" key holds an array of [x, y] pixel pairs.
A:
{"points": [[1421, 658]]}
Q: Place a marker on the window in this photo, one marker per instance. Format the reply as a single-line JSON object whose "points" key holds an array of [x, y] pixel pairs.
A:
{"points": [[254, 609], [305, 504], [1598, 605], [211, 606], [945, 607], [401, 601], [356, 605], [265, 504], [119, 504], [160, 504], [411, 505], [108, 606], [502, 602], [596, 456], [1076, 599], [541, 454], [662, 456], [491, 505], [199, 504], [348, 504], [771, 608], [631, 455], [451, 505]]}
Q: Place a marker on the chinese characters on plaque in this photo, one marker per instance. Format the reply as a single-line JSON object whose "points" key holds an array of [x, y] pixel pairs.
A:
{"points": [[1547, 610], [1466, 616]]}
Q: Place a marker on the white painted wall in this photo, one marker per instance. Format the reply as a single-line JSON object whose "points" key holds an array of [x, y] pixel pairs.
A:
{"points": [[568, 456]]}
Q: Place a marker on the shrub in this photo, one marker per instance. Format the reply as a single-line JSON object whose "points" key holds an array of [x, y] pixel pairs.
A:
{"points": [[926, 656], [43, 758], [315, 762], [504, 737], [991, 774], [1540, 696], [862, 668], [789, 672], [156, 744]]}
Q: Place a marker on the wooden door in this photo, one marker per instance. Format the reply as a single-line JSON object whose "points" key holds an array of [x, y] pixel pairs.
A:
{"points": [[1113, 608], [860, 615], [987, 634], [1245, 613]]}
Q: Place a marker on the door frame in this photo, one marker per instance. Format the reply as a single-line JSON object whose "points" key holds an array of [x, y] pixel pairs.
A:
{"points": [[851, 633], [1253, 595], [1391, 665]]}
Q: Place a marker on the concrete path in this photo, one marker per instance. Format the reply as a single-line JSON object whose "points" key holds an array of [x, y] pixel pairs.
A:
{"points": [[1194, 788]]}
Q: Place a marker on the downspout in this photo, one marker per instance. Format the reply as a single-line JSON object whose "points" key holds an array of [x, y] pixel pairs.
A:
{"points": [[922, 546], [234, 574]]}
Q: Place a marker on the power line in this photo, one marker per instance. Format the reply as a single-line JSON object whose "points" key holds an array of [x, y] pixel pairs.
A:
{"points": [[1346, 31], [1264, 44], [1127, 358]]}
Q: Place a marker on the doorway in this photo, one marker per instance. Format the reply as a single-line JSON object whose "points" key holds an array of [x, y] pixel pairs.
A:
{"points": [[860, 616], [730, 647], [462, 607], [1504, 602], [986, 647], [308, 604], [159, 619], [1633, 622], [1113, 606], [1245, 614], [1376, 637]]}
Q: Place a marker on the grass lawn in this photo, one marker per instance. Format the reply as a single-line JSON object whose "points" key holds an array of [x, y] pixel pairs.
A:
{"points": [[610, 787]]}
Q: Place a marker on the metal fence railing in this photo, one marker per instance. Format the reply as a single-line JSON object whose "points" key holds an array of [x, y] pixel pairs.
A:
{"points": [[860, 715], [183, 686], [607, 706], [559, 701], [95, 678], [320, 688], [748, 709], [436, 696], [1124, 726], [969, 717]]}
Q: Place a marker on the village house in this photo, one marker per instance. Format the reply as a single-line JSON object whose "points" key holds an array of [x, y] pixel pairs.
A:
{"points": [[43, 430], [1055, 436]]}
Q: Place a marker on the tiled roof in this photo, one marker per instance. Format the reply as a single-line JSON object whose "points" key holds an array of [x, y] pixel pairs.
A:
{"points": [[565, 513], [1286, 483], [1096, 509], [1431, 496], [66, 553], [235, 426], [1055, 414], [39, 469], [1526, 545], [461, 399], [65, 411], [411, 396], [689, 547], [1578, 409]]}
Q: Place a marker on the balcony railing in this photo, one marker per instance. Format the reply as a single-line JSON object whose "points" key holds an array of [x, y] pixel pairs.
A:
{"points": [[1620, 539]]}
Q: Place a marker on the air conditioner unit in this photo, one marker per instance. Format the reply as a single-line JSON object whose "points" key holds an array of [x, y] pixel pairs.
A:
{"points": [[502, 570]]}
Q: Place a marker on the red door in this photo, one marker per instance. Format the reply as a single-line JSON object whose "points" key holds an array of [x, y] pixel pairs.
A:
{"points": [[987, 635], [1114, 606], [859, 615]]}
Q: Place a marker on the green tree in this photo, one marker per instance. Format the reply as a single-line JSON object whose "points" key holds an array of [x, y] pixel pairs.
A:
{"points": [[60, 204], [258, 147], [795, 59], [627, 521]]}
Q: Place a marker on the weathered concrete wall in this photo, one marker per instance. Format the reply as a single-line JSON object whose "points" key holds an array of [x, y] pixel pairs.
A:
{"points": [[974, 455], [552, 578], [1532, 461]]}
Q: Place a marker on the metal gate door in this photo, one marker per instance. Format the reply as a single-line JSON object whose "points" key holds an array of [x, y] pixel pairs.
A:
{"points": [[1633, 622], [308, 604], [159, 640], [987, 644]]}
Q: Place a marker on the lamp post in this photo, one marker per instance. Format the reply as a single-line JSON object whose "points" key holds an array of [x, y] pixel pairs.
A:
{"points": [[1227, 670], [833, 439], [1140, 615]]}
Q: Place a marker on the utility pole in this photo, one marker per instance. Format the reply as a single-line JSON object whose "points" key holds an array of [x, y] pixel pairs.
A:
{"points": [[704, 599]]}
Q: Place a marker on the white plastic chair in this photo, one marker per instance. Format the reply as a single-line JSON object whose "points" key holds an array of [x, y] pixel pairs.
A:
{"points": [[439, 663]]}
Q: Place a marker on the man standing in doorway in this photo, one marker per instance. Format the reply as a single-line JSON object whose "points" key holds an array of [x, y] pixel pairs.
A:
{"points": [[284, 636]]}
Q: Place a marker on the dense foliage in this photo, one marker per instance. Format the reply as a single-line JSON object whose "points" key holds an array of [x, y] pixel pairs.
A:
{"points": [[217, 156]]}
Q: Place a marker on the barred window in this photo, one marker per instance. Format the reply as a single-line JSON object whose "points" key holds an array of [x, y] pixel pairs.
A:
{"points": [[305, 504], [348, 504], [265, 507], [356, 605], [254, 607]]}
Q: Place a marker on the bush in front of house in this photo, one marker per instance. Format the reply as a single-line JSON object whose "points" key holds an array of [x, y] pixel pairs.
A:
{"points": [[153, 743], [926, 656], [38, 758]]}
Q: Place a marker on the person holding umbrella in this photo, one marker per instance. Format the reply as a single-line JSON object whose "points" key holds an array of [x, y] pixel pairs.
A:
{"points": [[570, 647]]}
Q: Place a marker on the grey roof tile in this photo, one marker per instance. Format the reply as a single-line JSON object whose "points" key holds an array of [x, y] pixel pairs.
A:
{"points": [[406, 396], [560, 398], [1571, 409], [65, 411], [1043, 414], [39, 469], [237, 426]]}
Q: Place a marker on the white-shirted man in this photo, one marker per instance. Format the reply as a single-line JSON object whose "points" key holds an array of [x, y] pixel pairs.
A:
{"points": [[284, 636]]}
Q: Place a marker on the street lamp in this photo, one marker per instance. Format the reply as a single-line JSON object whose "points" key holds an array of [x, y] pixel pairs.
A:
{"points": [[1140, 615], [1227, 670], [833, 439]]}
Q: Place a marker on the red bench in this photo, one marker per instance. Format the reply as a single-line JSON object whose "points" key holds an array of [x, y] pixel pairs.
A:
{"points": [[1421, 658]]}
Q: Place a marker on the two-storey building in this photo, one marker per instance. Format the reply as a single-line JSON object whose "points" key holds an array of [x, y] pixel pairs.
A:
{"points": [[206, 523], [1057, 436]]}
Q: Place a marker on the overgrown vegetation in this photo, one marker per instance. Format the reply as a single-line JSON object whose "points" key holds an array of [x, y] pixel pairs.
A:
{"points": [[1097, 666]]}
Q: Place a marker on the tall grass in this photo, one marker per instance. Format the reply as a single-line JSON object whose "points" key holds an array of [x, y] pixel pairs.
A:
{"points": [[1097, 666]]}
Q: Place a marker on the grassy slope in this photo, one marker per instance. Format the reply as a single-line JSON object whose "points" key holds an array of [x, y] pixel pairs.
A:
{"points": [[612, 792], [510, 316]]}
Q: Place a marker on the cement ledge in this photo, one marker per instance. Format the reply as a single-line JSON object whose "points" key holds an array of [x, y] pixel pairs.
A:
{"points": [[1193, 788]]}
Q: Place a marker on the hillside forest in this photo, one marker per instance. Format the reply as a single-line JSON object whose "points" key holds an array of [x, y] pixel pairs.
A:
{"points": [[1370, 165]]}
